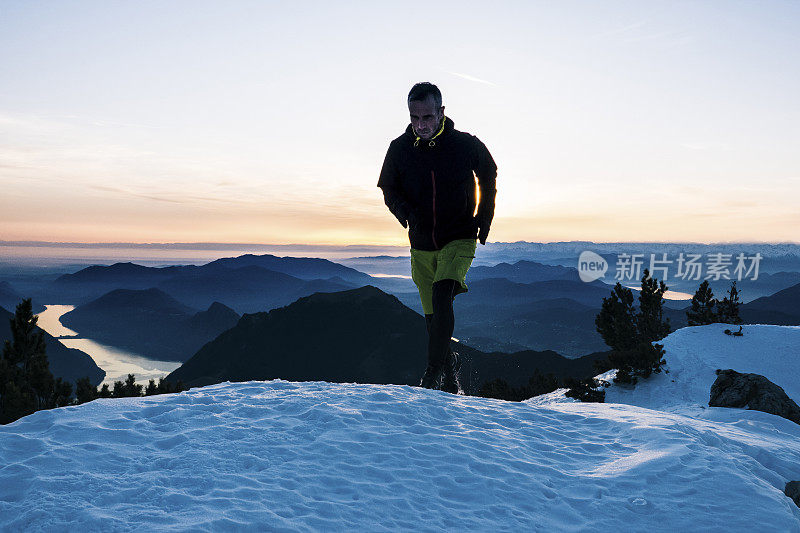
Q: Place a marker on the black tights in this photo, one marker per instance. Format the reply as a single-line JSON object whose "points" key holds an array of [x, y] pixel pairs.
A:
{"points": [[440, 324]]}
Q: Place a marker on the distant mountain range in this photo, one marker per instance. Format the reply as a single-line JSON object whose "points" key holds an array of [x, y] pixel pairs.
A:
{"points": [[248, 289], [546, 315], [523, 272], [67, 363], [509, 306], [559, 315], [309, 268], [776, 257], [246, 283], [781, 308], [359, 335], [310, 318], [749, 290], [150, 323], [10, 299]]}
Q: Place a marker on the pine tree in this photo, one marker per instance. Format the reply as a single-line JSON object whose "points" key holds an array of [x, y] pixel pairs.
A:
{"points": [[704, 305], [650, 326], [62, 393], [85, 391], [119, 390], [631, 335], [616, 321], [537, 384], [7, 378], [26, 384], [131, 389], [729, 306], [17, 402], [497, 388], [650, 323], [585, 390], [167, 387]]}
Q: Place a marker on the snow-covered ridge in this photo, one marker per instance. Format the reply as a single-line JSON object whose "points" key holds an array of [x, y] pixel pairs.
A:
{"points": [[694, 353], [287, 456]]}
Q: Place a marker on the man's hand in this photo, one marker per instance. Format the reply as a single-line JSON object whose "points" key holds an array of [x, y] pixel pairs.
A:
{"points": [[404, 218], [483, 231], [482, 234], [414, 222]]}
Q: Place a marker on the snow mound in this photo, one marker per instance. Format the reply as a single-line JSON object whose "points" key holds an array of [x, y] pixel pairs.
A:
{"points": [[285, 456], [694, 353]]}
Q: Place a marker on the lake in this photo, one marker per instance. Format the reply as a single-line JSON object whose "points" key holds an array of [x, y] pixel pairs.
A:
{"points": [[116, 362]]}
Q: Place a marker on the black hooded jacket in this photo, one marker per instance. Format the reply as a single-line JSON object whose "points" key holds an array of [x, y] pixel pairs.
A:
{"points": [[434, 179]]}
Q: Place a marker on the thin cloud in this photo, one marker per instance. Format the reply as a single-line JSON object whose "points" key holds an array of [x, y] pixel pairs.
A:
{"points": [[183, 199], [134, 194], [472, 78]]}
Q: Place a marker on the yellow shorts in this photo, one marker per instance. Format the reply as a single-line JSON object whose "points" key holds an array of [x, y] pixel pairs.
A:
{"points": [[451, 262]]}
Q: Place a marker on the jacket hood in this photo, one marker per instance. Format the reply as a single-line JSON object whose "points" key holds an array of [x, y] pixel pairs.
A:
{"points": [[446, 128]]}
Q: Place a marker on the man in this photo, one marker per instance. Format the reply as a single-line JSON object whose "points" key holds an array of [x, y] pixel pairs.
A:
{"points": [[428, 183]]}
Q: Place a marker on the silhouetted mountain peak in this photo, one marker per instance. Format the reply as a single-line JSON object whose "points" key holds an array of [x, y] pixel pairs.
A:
{"points": [[361, 334], [524, 271], [784, 302], [119, 268], [101, 272], [365, 310], [366, 296], [791, 294], [499, 282], [218, 317], [258, 260], [217, 308], [217, 313], [301, 267], [150, 298]]}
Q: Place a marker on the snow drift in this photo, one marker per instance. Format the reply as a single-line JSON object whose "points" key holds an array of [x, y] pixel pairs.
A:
{"points": [[287, 456]]}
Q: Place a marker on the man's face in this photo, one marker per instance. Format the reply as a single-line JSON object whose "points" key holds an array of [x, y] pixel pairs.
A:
{"points": [[425, 118]]}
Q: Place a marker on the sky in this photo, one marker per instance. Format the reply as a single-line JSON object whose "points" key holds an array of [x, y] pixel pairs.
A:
{"points": [[268, 122]]}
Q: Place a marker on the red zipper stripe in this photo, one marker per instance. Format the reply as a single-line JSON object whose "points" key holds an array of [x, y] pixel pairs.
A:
{"points": [[433, 230]]}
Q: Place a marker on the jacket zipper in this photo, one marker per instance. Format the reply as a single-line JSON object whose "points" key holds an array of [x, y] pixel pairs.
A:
{"points": [[433, 230]]}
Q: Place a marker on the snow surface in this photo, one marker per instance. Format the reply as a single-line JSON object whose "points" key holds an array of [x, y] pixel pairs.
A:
{"points": [[286, 456], [694, 354]]}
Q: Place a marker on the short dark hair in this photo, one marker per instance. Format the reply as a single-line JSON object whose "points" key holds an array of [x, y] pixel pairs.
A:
{"points": [[421, 91]]}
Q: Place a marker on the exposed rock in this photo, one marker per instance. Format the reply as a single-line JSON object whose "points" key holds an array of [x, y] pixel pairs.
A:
{"points": [[752, 391], [792, 490], [734, 333]]}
